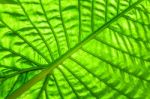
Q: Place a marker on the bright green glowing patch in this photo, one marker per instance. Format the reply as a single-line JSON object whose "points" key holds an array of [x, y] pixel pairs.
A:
{"points": [[74, 49]]}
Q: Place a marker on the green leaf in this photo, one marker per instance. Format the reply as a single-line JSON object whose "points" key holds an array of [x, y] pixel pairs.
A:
{"points": [[8, 2], [70, 49]]}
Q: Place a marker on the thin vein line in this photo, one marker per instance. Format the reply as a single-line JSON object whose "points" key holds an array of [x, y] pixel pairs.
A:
{"points": [[143, 18], [106, 10], [58, 88], [130, 2], [13, 86], [63, 24], [65, 77], [46, 93], [43, 88], [111, 51], [9, 67], [79, 12], [22, 56], [92, 16], [21, 71], [119, 45], [50, 26], [26, 41], [40, 34], [118, 6]]}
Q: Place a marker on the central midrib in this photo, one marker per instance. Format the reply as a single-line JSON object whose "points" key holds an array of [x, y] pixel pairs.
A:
{"points": [[50, 68]]}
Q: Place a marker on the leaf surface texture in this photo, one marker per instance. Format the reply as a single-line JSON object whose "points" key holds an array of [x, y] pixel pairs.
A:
{"points": [[72, 49]]}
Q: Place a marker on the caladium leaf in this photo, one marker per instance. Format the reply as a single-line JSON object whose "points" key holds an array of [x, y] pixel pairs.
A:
{"points": [[75, 49]]}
